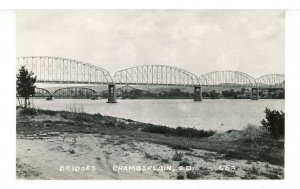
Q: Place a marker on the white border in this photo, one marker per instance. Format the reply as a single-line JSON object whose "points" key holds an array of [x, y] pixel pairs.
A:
{"points": [[7, 114], [292, 49], [7, 93], [150, 4]]}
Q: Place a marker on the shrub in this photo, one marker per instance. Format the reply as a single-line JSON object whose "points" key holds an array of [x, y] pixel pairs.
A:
{"points": [[194, 174], [71, 151], [36, 111], [179, 131], [180, 175], [178, 156], [29, 111], [193, 133], [47, 112], [185, 162], [253, 170], [165, 160], [111, 123], [204, 170], [78, 117], [274, 123], [153, 157], [98, 115]]}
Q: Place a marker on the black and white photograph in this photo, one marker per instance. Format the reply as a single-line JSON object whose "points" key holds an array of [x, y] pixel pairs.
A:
{"points": [[150, 94]]}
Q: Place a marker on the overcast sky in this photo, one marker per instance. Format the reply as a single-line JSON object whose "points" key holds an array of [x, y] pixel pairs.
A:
{"points": [[199, 41]]}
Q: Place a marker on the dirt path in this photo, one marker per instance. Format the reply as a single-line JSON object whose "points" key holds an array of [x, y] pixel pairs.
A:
{"points": [[105, 157]]}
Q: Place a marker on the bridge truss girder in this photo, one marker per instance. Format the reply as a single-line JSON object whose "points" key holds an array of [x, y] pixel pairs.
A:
{"points": [[155, 75], [271, 81], [78, 92], [64, 70], [227, 78]]}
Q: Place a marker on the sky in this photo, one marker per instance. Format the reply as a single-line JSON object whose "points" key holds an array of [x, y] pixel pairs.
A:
{"points": [[199, 41]]}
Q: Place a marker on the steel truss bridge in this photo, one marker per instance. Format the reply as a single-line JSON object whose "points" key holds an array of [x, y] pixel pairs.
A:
{"points": [[156, 75], [64, 70]]}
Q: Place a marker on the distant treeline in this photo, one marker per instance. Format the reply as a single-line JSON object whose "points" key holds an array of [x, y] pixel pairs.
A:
{"points": [[214, 94]]}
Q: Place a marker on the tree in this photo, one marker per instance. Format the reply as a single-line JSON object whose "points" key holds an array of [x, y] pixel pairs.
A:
{"points": [[274, 123], [214, 94], [25, 84]]}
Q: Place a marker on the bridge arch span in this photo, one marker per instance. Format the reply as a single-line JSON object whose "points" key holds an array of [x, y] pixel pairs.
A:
{"points": [[41, 92], [271, 80], [64, 70], [75, 92], [227, 78], [155, 75]]}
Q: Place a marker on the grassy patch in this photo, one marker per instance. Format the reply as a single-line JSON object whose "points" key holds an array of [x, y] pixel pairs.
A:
{"points": [[35, 112], [179, 131], [182, 147], [152, 157], [196, 174], [25, 171], [226, 173], [253, 142], [250, 135]]}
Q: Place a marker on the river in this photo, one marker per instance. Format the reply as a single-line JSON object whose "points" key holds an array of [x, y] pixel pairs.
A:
{"points": [[221, 114]]}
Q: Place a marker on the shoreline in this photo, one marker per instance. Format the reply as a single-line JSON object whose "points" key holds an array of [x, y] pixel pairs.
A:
{"points": [[45, 137]]}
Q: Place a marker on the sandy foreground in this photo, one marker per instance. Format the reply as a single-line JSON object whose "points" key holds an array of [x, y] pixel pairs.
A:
{"points": [[100, 156]]}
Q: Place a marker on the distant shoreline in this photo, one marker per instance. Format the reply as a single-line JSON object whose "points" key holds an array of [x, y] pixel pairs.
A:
{"points": [[166, 98]]}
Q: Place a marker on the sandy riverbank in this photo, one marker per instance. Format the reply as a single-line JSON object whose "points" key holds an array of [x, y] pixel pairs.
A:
{"points": [[45, 150]]}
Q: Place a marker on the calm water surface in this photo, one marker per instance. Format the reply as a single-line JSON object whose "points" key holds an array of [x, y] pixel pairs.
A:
{"points": [[221, 114]]}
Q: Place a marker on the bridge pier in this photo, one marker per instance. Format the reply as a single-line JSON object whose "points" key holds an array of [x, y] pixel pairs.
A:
{"points": [[112, 93], [49, 98], [254, 93], [197, 93]]}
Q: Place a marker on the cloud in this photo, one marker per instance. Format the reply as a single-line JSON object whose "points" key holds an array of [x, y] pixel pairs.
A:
{"points": [[199, 41]]}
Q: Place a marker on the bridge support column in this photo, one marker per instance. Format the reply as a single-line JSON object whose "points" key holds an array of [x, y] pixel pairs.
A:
{"points": [[112, 93], [197, 93], [254, 93]]}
